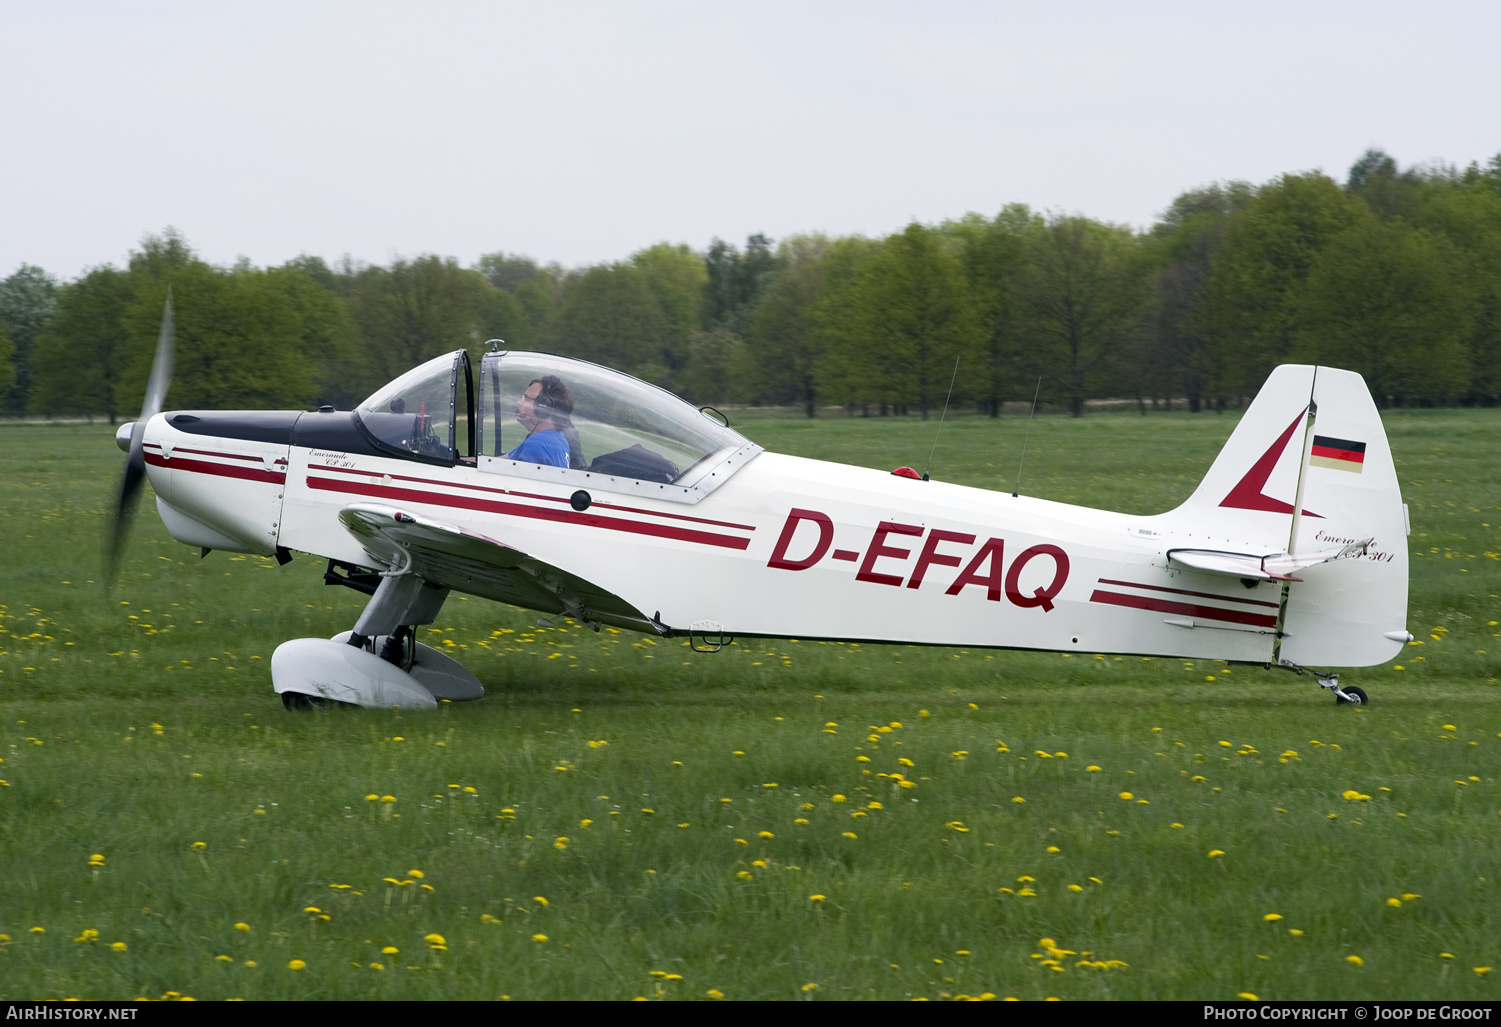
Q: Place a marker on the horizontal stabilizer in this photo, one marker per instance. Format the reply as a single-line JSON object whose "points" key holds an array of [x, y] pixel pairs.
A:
{"points": [[1269, 567]]}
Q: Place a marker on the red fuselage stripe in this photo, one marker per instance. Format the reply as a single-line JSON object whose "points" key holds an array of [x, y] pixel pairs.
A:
{"points": [[221, 470], [1185, 592], [531, 495], [1183, 609], [521, 510]]}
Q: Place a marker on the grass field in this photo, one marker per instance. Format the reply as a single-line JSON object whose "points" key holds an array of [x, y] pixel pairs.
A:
{"points": [[621, 817]]}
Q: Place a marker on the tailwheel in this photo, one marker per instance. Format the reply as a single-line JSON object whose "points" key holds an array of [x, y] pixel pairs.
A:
{"points": [[1357, 697]]}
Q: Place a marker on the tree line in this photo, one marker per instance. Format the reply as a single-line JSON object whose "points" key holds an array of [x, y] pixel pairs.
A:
{"points": [[1394, 273]]}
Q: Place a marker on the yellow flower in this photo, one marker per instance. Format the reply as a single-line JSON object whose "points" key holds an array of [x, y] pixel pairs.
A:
{"points": [[837, 798], [1127, 795], [390, 950], [809, 986], [848, 834], [242, 926], [539, 900], [1394, 902], [1271, 917], [388, 798], [1017, 798], [1092, 769], [118, 946], [1355, 961], [714, 994], [415, 873], [904, 761], [1295, 932], [1482, 970], [1053, 848], [539, 938], [560, 844], [200, 846], [296, 964], [372, 797], [1216, 853], [1075, 887], [741, 841], [1249, 997], [765, 836], [816, 898]]}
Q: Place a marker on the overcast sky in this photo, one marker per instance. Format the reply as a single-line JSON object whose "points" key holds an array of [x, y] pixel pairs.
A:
{"points": [[580, 132]]}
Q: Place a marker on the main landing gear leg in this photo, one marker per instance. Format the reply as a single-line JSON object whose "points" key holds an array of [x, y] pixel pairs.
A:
{"points": [[1342, 696], [379, 663]]}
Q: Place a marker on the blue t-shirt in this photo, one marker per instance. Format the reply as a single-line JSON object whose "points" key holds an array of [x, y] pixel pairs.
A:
{"points": [[544, 447]]}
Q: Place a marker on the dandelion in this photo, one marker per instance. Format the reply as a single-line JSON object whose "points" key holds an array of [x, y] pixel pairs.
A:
{"points": [[540, 900], [1017, 798], [1127, 795], [1053, 848], [1075, 887], [390, 950], [1092, 769], [118, 946], [714, 995], [810, 986], [539, 938], [199, 846], [1216, 853], [765, 836], [848, 834], [1249, 997], [296, 964], [1394, 902], [560, 844], [242, 926], [1355, 961], [837, 798], [388, 798], [1272, 917], [1482, 970], [1295, 932]]}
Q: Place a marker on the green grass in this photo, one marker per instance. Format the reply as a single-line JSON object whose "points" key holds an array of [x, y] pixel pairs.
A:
{"points": [[136, 725]]}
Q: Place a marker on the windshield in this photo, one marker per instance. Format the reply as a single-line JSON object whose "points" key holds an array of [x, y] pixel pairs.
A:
{"points": [[600, 421], [416, 414]]}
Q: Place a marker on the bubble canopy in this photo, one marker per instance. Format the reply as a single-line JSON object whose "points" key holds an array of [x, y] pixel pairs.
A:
{"points": [[622, 434], [594, 428]]}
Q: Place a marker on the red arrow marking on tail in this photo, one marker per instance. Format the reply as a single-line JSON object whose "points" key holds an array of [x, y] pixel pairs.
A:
{"points": [[1247, 494]]}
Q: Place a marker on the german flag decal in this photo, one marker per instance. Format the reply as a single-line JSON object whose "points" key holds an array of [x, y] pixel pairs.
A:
{"points": [[1338, 454]]}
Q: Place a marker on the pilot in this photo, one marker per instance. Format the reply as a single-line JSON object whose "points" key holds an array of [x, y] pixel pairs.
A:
{"points": [[545, 411]]}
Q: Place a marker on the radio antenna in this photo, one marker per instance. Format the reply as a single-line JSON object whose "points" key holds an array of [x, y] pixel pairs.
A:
{"points": [[952, 378], [1020, 463]]}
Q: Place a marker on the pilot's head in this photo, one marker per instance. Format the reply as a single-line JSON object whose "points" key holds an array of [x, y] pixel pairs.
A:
{"points": [[545, 404]]}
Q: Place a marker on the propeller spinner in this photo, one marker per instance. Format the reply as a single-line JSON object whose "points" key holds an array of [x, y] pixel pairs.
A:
{"points": [[135, 460]]}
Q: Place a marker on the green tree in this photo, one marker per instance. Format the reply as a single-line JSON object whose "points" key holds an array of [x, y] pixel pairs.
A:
{"points": [[27, 300], [326, 335], [238, 340], [992, 254], [1258, 274], [716, 362], [413, 311], [908, 318], [1388, 300], [80, 357], [7, 362], [1080, 296], [1467, 212], [788, 329], [610, 315], [676, 277], [735, 280], [1182, 246]]}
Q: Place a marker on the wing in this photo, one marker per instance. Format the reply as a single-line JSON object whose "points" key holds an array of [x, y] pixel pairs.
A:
{"points": [[465, 561]]}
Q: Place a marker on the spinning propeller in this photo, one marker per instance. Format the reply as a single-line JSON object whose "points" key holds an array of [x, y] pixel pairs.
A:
{"points": [[135, 460]]}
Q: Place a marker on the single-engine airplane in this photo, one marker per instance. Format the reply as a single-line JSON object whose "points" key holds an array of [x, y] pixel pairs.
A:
{"points": [[657, 517]]}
